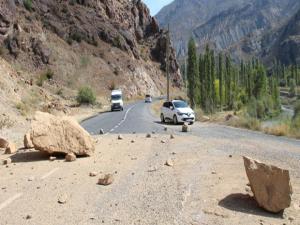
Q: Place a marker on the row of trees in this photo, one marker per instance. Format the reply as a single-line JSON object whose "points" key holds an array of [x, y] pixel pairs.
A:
{"points": [[216, 83]]}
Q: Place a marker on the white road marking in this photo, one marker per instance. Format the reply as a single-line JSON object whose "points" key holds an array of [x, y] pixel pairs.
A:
{"points": [[49, 173], [10, 200], [122, 121]]}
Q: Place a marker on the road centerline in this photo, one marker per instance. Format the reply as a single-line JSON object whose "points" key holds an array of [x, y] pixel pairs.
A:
{"points": [[10, 200], [49, 173]]}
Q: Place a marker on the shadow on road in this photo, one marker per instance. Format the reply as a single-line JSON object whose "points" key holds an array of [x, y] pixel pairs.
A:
{"points": [[245, 204], [33, 156]]}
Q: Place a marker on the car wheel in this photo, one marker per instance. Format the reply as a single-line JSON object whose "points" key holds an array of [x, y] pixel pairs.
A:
{"points": [[162, 118], [191, 123], [175, 120]]}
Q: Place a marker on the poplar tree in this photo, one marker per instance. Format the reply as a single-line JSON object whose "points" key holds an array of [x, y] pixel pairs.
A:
{"points": [[192, 72]]}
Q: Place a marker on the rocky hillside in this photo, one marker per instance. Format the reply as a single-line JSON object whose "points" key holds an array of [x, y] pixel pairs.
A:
{"points": [[224, 24], [284, 43], [104, 44]]}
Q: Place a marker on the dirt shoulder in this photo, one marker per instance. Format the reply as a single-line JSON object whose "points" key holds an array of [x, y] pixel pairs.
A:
{"points": [[205, 185]]}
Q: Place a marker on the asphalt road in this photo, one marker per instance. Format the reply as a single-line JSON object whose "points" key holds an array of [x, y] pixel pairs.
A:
{"points": [[136, 118]]}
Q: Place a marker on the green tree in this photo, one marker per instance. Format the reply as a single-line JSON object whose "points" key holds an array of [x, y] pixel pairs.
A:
{"points": [[220, 76], [192, 73]]}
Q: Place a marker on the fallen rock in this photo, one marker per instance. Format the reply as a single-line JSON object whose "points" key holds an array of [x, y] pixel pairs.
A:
{"points": [[120, 137], [11, 148], [165, 129], [270, 185], [172, 136], [70, 157], [101, 131], [163, 141], [93, 174], [205, 119], [3, 143], [185, 128], [52, 158], [7, 161], [27, 141], [169, 162], [148, 135], [60, 134], [106, 180], [62, 199], [132, 141]]}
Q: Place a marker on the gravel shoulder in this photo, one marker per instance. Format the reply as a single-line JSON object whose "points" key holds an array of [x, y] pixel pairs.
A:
{"points": [[205, 186]]}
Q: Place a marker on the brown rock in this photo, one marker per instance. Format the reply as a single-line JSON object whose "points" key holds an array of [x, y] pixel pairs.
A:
{"points": [[270, 185], [60, 134], [3, 143], [62, 199], [169, 162], [11, 148], [172, 136], [70, 157], [185, 128], [106, 180], [148, 135], [120, 137], [93, 174], [27, 141], [7, 161]]}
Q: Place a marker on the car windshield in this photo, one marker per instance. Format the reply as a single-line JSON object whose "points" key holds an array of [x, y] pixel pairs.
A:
{"points": [[180, 104], [148, 96], [116, 97]]}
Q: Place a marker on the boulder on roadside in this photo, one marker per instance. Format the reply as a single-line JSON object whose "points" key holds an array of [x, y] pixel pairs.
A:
{"points": [[106, 180], [70, 157], [11, 148], [185, 128], [270, 185], [27, 141], [205, 119], [3, 143], [60, 135]]}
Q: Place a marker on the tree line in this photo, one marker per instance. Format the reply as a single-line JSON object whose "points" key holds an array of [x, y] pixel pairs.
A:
{"points": [[215, 83]]}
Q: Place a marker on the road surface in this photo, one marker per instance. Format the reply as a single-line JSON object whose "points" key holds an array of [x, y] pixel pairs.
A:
{"points": [[136, 117], [205, 186]]}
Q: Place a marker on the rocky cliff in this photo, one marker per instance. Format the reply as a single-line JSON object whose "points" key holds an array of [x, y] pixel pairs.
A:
{"points": [[102, 43], [225, 24], [283, 44]]}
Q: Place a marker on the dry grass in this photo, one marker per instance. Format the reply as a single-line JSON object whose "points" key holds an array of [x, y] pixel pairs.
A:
{"points": [[155, 107], [6, 122], [278, 130]]}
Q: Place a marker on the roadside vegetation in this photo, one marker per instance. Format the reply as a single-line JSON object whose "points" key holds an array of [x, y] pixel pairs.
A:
{"points": [[248, 90], [86, 95]]}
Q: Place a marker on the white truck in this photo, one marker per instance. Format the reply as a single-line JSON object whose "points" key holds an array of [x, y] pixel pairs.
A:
{"points": [[117, 100]]}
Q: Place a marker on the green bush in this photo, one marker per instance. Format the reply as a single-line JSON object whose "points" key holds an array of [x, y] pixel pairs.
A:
{"points": [[28, 4], [86, 96]]}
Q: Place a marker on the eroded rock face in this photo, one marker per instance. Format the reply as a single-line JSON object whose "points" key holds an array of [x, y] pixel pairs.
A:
{"points": [[271, 185], [60, 135]]}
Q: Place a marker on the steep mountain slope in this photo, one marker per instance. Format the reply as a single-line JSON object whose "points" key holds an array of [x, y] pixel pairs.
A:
{"points": [[225, 24], [185, 16], [104, 44], [284, 44]]}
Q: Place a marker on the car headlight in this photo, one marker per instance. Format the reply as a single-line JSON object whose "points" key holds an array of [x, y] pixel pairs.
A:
{"points": [[180, 114]]}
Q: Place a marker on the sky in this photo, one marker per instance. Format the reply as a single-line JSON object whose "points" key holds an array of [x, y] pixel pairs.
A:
{"points": [[156, 5]]}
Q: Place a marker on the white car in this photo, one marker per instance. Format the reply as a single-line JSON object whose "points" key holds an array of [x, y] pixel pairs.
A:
{"points": [[116, 100], [177, 111]]}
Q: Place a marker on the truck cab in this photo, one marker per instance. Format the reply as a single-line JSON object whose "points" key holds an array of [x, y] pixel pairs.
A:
{"points": [[116, 100]]}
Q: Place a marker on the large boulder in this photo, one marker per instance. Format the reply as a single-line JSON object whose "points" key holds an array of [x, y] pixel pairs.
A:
{"points": [[60, 135], [271, 185]]}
